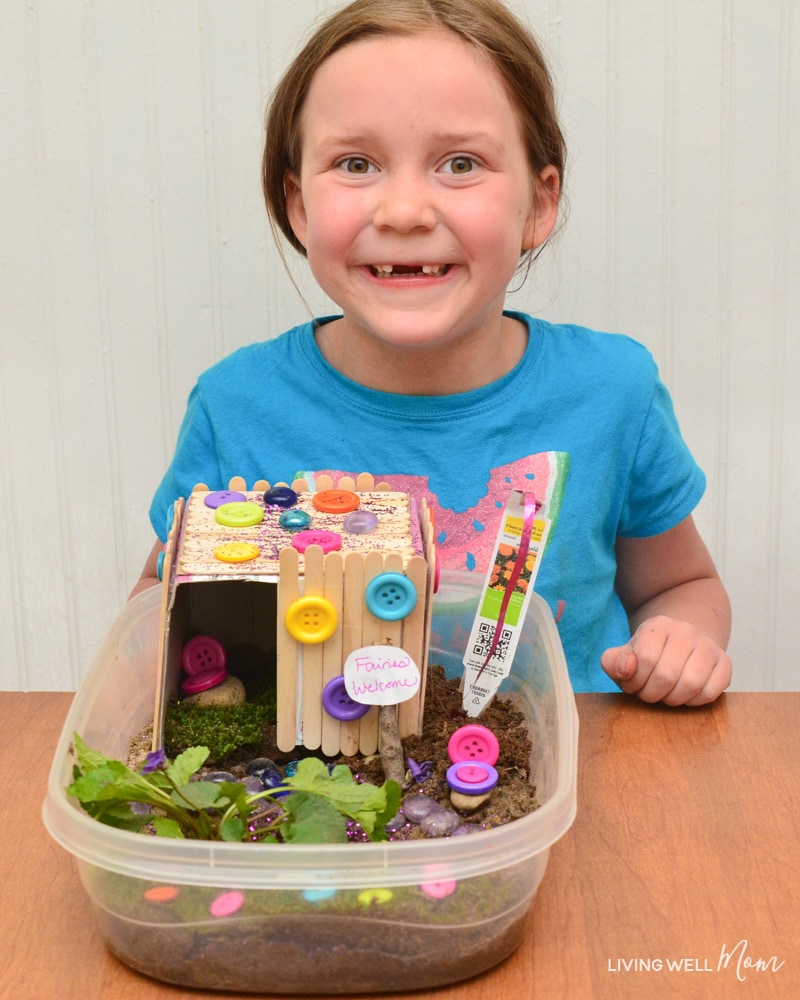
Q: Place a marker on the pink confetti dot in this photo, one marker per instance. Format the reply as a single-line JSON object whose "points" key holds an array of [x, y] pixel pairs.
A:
{"points": [[227, 904], [438, 890]]}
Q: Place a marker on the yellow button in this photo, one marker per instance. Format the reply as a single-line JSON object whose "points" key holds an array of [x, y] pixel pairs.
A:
{"points": [[236, 552], [369, 897], [311, 619]]}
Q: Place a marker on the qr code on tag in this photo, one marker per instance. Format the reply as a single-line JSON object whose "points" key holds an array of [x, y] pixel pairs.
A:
{"points": [[483, 642]]}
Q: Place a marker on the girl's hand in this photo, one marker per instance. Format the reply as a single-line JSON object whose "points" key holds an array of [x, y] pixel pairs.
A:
{"points": [[671, 661]]}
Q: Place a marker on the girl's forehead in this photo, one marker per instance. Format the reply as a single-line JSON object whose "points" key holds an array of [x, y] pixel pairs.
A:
{"points": [[436, 68]]}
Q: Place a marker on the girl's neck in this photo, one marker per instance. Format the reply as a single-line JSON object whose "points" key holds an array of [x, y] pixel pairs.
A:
{"points": [[424, 371]]}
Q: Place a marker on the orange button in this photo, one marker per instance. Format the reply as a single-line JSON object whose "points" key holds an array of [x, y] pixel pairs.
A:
{"points": [[335, 501]]}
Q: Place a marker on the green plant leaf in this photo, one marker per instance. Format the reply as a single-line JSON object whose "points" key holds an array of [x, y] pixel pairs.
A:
{"points": [[232, 829], [166, 827], [312, 820], [371, 806], [187, 764], [200, 795]]}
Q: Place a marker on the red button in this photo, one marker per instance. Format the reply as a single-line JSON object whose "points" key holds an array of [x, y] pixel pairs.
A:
{"points": [[473, 742]]}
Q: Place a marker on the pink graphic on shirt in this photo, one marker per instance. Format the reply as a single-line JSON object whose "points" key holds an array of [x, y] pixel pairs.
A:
{"points": [[465, 540]]}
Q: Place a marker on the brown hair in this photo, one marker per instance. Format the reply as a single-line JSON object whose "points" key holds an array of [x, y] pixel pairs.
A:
{"points": [[486, 24]]}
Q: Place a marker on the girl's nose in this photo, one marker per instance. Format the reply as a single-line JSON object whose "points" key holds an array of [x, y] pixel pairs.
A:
{"points": [[405, 203]]}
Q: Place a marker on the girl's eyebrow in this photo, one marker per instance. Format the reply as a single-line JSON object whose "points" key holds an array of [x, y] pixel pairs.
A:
{"points": [[448, 140]]}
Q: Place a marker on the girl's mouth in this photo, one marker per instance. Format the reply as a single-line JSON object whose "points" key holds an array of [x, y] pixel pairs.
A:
{"points": [[409, 270]]}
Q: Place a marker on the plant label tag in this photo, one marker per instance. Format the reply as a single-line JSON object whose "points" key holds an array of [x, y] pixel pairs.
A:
{"points": [[505, 597], [381, 675]]}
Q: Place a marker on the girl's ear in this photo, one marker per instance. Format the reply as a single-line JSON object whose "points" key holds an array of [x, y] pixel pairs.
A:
{"points": [[295, 206], [544, 209]]}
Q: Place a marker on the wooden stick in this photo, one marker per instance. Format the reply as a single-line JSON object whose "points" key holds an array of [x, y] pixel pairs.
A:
{"points": [[351, 633], [411, 711], [312, 655], [163, 672], [287, 651], [365, 482], [372, 634], [324, 483], [332, 660], [237, 483]]}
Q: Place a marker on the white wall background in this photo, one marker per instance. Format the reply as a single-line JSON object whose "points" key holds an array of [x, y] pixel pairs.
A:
{"points": [[134, 252]]}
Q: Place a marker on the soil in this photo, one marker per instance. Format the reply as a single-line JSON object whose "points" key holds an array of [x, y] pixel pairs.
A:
{"points": [[513, 797], [408, 937]]}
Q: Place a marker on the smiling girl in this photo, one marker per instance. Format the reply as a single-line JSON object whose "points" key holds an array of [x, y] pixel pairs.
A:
{"points": [[413, 155]]}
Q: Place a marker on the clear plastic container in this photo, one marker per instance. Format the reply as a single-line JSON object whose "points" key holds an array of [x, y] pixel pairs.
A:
{"points": [[311, 919]]}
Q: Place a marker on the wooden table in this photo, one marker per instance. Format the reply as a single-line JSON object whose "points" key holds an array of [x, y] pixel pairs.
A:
{"points": [[686, 849]]}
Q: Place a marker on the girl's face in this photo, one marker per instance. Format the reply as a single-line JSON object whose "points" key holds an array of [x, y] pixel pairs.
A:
{"points": [[415, 197]]}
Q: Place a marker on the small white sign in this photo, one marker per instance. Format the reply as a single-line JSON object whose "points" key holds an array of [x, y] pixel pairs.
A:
{"points": [[381, 675]]}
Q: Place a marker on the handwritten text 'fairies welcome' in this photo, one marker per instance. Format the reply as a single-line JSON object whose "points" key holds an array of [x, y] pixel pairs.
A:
{"points": [[381, 675]]}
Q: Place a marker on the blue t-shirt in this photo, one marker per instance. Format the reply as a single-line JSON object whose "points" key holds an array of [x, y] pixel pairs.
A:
{"points": [[582, 421]]}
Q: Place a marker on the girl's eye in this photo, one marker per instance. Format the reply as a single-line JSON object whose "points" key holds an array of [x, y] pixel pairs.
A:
{"points": [[356, 165], [459, 165]]}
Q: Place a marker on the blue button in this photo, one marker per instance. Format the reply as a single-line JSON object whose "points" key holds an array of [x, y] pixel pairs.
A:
{"points": [[280, 496], [338, 703], [294, 520], [391, 596]]}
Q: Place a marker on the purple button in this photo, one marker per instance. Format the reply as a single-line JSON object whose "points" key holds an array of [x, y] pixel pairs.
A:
{"points": [[219, 497], [360, 522], [338, 703], [471, 779]]}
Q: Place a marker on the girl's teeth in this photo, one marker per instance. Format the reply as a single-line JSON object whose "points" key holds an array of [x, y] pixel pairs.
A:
{"points": [[432, 269]]}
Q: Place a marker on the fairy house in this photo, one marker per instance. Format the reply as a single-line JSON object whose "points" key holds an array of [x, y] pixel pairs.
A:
{"points": [[305, 580]]}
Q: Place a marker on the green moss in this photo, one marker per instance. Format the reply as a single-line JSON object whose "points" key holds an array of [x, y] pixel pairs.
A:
{"points": [[223, 730]]}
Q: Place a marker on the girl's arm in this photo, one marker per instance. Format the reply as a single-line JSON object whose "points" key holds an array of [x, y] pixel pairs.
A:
{"points": [[149, 577], [680, 620]]}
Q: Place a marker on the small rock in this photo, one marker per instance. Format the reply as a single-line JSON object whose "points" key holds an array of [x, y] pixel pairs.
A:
{"points": [[259, 765], [219, 776], [439, 822], [229, 692], [417, 807], [395, 823], [468, 803]]}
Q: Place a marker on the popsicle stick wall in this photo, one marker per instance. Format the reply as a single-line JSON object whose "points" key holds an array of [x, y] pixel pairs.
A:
{"points": [[303, 669]]}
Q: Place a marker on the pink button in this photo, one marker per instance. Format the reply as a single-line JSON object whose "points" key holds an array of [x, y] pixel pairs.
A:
{"points": [[472, 774], [473, 742], [227, 904], [202, 653], [439, 890], [204, 681], [328, 541]]}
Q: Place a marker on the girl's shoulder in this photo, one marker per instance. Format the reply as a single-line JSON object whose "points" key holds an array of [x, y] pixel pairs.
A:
{"points": [[570, 346], [246, 361]]}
